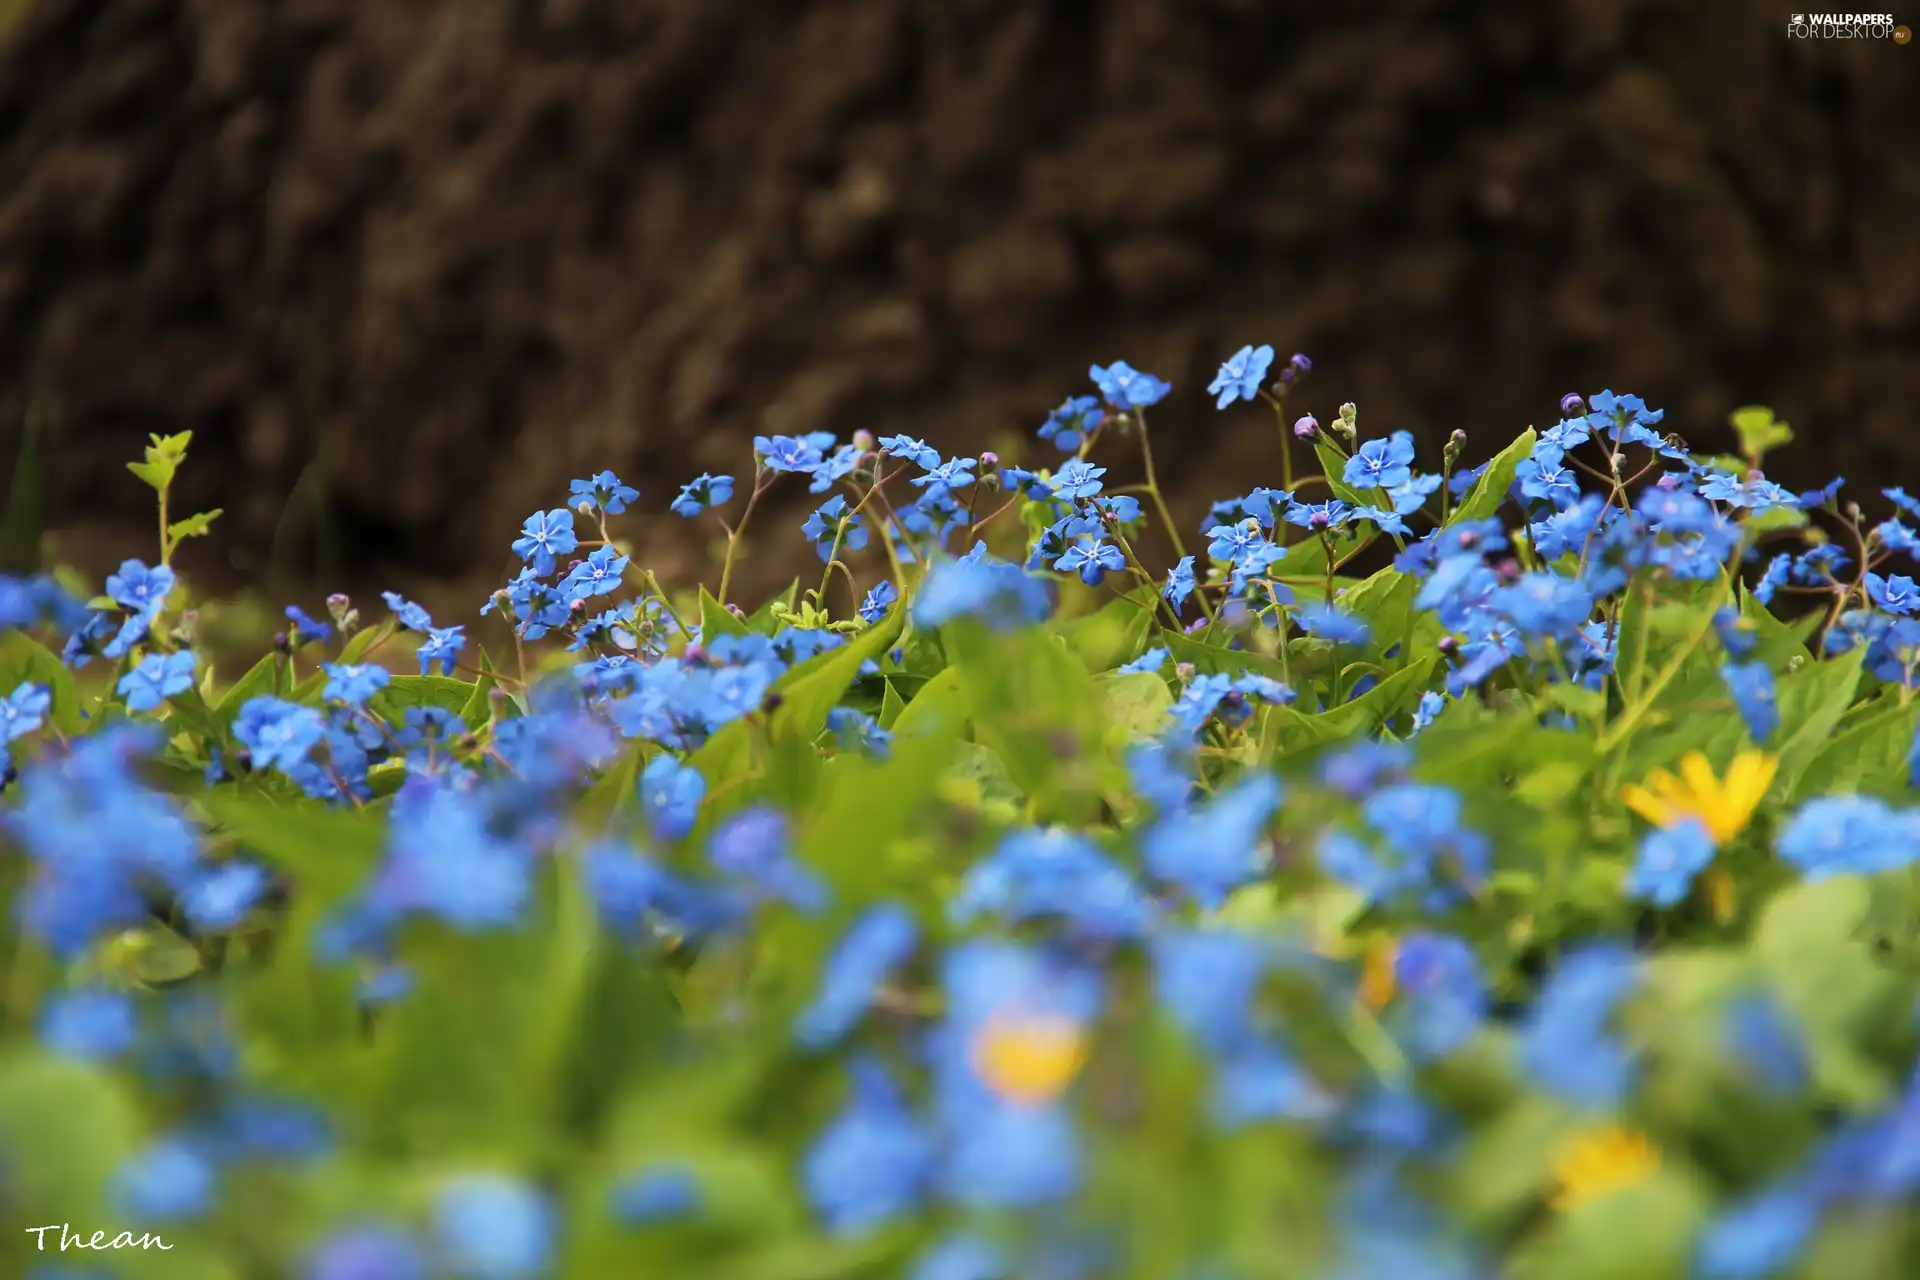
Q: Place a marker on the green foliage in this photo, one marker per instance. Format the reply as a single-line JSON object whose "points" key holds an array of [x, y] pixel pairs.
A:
{"points": [[579, 916]]}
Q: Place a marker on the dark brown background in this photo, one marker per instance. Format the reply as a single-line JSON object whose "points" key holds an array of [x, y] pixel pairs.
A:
{"points": [[438, 256]]}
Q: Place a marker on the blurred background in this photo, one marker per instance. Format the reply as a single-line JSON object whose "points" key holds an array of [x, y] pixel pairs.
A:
{"points": [[406, 268]]}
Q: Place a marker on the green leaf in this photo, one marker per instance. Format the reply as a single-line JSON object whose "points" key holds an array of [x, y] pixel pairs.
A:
{"points": [[193, 526], [476, 710], [1644, 1232], [1287, 731], [1809, 942], [1491, 489], [361, 642], [1866, 754], [765, 620], [261, 680], [1114, 634], [24, 660], [1759, 431], [403, 692], [715, 621], [79, 1123], [891, 705], [328, 853], [1812, 703], [21, 527], [1136, 703], [941, 701], [1333, 464], [807, 693]]}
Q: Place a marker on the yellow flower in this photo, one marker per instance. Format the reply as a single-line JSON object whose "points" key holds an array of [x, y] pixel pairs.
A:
{"points": [[1029, 1060], [1723, 807], [1594, 1165]]}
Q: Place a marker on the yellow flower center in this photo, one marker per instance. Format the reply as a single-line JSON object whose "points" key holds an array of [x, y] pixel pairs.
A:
{"points": [[1376, 976], [1722, 806], [1029, 1060], [1594, 1165]]}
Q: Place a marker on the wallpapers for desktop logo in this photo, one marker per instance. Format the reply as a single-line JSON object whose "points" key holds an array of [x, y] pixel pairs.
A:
{"points": [[1846, 26]]}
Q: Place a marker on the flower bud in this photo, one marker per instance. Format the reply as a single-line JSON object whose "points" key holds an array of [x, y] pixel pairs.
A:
{"points": [[1508, 569], [1300, 365], [1305, 427], [1447, 644], [864, 441], [282, 642], [773, 702], [1571, 405], [989, 459]]}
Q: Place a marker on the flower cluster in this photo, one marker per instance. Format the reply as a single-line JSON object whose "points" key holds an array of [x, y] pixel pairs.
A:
{"points": [[1438, 868]]}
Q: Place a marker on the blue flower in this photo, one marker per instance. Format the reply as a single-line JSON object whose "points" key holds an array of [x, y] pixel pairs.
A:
{"points": [[699, 494], [1897, 595], [1092, 559], [1544, 477], [1034, 874], [1751, 684], [1431, 705], [1446, 998], [1760, 1237], [1125, 387], [23, 711], [1381, 464], [448, 859], [90, 1024], [1150, 661], [655, 1195], [278, 734], [1001, 594], [139, 590], [954, 473], [1328, 623], [834, 530], [753, 846], [364, 1252], [786, 453], [873, 1163], [671, 792], [353, 685], [876, 944], [597, 575], [411, 616], [220, 898], [603, 492], [442, 645], [546, 534], [1077, 479], [1669, 859], [305, 629], [918, 452], [1072, 424], [878, 601], [1849, 834], [171, 1181], [1179, 583], [1565, 1044], [1206, 980], [1241, 376], [1262, 1083], [961, 1257], [1214, 850], [491, 1227]]}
